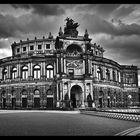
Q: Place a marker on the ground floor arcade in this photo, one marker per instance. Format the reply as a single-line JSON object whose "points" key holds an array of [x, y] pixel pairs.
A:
{"points": [[66, 94]]}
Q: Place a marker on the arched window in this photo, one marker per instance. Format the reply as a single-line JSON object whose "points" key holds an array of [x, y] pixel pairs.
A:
{"points": [[74, 50], [36, 92], [24, 72], [49, 92], [24, 92], [49, 71], [107, 75], [114, 75], [4, 73], [37, 72], [14, 72], [99, 74]]}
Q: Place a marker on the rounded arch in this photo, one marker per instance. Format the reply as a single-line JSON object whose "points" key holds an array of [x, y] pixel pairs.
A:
{"points": [[49, 66], [3, 93], [76, 88], [36, 71], [24, 72], [4, 69], [13, 72], [36, 66], [24, 92], [99, 73], [49, 92], [49, 71], [76, 96], [4, 73], [74, 49], [24, 67], [36, 92]]}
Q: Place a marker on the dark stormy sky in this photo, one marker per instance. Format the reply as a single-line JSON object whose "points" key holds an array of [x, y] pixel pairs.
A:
{"points": [[116, 27]]}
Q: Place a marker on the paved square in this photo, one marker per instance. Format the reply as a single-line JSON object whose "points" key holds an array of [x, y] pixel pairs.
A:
{"points": [[58, 123]]}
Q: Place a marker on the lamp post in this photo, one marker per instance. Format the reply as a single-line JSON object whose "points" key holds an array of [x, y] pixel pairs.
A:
{"points": [[129, 100]]}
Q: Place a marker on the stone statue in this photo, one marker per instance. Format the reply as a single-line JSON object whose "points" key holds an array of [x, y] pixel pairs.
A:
{"points": [[70, 28]]}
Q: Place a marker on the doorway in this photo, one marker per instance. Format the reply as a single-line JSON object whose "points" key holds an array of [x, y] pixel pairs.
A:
{"points": [[13, 102], [24, 102], [76, 96], [49, 102], [4, 103], [36, 102], [100, 102]]}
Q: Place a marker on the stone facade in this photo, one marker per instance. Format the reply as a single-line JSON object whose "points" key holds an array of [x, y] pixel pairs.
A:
{"points": [[66, 71]]}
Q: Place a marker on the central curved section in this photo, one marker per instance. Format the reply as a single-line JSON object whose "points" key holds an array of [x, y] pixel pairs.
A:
{"points": [[76, 96], [74, 50]]}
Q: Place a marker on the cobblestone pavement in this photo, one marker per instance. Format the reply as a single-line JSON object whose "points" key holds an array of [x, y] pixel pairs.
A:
{"points": [[59, 123]]}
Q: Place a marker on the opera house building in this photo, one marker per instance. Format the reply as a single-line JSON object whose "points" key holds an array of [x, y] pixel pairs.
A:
{"points": [[65, 71]]}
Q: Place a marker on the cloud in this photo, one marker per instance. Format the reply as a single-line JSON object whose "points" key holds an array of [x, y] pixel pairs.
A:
{"points": [[102, 10], [122, 49], [123, 11], [96, 25], [42, 9], [4, 43], [11, 26], [5, 53]]}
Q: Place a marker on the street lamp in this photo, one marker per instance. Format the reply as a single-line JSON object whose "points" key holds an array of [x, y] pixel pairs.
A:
{"points": [[129, 99]]}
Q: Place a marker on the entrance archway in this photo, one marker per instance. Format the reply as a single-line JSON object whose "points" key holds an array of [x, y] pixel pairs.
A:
{"points": [[36, 98], [24, 98], [76, 96], [49, 99]]}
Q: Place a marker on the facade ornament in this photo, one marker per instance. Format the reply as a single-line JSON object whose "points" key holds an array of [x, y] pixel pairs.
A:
{"points": [[50, 36], [86, 34], [60, 32]]}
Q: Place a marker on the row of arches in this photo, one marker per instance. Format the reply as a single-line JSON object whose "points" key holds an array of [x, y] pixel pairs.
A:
{"points": [[115, 75], [25, 98], [24, 72]]}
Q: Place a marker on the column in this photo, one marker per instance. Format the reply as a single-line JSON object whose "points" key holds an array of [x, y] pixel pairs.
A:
{"points": [[31, 69], [95, 70], [69, 90], [54, 68], [44, 69], [0, 73], [83, 96], [89, 71], [91, 90], [18, 71], [65, 65], [83, 66], [57, 71], [111, 77], [119, 77], [57, 93], [41, 72], [104, 71], [43, 46], [61, 64], [9, 72], [30, 72]]}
